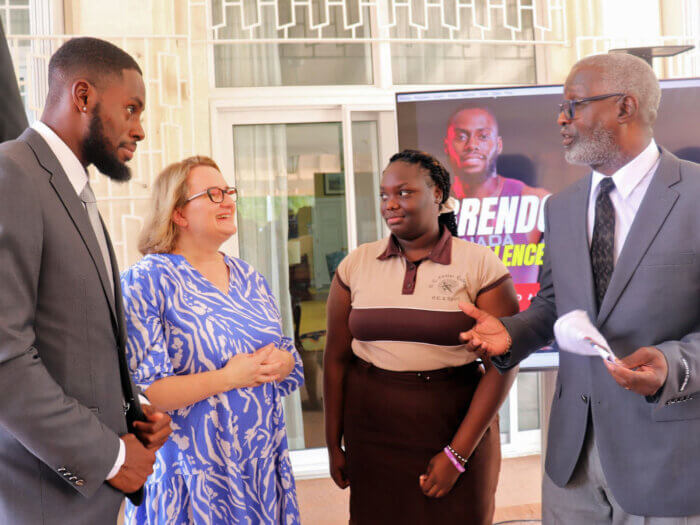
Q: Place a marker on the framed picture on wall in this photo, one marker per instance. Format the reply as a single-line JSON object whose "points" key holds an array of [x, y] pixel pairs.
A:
{"points": [[333, 183]]}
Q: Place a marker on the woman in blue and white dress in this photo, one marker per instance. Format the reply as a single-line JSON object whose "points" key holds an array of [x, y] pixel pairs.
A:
{"points": [[205, 344]]}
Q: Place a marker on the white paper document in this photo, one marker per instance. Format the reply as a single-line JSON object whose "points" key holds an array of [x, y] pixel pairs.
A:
{"points": [[576, 334]]}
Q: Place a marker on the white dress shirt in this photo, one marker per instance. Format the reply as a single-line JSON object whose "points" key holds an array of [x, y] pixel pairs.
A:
{"points": [[78, 178], [631, 184]]}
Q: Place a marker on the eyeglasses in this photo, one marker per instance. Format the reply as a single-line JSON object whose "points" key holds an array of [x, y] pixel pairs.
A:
{"points": [[569, 106], [216, 195]]}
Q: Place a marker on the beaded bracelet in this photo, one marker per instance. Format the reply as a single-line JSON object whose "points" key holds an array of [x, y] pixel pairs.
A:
{"points": [[457, 455], [454, 461]]}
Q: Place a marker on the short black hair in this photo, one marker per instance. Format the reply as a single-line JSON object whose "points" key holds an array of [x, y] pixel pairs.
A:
{"points": [[440, 177], [92, 57], [470, 107]]}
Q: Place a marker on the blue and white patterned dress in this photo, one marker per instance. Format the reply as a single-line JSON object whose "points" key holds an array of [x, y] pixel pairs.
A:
{"points": [[227, 460]]}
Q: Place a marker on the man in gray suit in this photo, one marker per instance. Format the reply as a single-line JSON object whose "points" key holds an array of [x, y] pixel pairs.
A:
{"points": [[621, 244], [74, 437]]}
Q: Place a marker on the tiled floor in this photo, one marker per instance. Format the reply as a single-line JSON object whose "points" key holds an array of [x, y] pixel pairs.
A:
{"points": [[517, 498]]}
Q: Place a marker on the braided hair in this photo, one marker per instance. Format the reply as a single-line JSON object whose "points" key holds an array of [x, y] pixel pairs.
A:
{"points": [[440, 177]]}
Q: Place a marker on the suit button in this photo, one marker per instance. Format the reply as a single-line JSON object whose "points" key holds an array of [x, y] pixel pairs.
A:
{"points": [[584, 398], [73, 478], [80, 482], [61, 470]]}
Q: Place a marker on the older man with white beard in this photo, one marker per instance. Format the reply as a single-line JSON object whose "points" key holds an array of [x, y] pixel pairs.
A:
{"points": [[622, 244]]}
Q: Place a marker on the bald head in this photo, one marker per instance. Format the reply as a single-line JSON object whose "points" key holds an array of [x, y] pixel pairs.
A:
{"points": [[628, 74]]}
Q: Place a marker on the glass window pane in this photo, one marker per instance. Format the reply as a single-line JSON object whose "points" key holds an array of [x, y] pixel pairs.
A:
{"points": [[504, 420], [528, 401], [276, 64], [367, 173], [292, 228], [427, 63], [19, 22], [462, 64]]}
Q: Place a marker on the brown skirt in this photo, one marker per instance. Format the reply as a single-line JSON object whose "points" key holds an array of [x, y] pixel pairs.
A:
{"points": [[395, 422]]}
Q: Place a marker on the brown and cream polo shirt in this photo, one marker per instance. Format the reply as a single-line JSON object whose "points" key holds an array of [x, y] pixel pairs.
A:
{"points": [[405, 315]]}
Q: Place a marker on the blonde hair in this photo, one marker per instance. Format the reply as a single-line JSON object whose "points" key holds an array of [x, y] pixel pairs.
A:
{"points": [[159, 233]]}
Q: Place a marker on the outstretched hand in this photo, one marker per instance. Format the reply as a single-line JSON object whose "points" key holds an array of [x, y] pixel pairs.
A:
{"points": [[488, 336], [644, 371]]}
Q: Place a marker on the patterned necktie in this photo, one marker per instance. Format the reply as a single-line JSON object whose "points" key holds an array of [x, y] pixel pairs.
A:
{"points": [[603, 242], [88, 197]]}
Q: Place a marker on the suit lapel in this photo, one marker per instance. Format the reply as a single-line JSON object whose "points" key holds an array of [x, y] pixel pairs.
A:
{"points": [[120, 328], [655, 207], [581, 260], [74, 207]]}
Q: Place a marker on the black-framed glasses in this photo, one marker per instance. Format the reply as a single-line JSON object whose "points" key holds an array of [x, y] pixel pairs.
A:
{"points": [[216, 194], [569, 106]]}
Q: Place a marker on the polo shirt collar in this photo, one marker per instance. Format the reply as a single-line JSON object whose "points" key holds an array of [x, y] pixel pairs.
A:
{"points": [[440, 254]]}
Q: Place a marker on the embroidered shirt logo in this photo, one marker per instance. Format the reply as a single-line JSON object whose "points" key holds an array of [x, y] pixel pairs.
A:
{"points": [[446, 286]]}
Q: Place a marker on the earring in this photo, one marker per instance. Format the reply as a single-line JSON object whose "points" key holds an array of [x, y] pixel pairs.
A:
{"points": [[84, 108]]}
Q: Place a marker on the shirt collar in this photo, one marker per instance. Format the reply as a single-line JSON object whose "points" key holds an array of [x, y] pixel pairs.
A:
{"points": [[440, 254], [631, 174], [66, 158]]}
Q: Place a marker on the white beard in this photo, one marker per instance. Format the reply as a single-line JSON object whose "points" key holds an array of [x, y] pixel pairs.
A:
{"points": [[597, 149]]}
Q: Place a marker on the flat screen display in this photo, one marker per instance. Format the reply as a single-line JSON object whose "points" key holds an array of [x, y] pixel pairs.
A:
{"points": [[503, 149]]}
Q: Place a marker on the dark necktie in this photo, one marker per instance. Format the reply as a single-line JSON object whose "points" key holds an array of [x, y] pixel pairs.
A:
{"points": [[603, 241]]}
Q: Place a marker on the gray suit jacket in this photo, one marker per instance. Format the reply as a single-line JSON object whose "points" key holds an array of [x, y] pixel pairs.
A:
{"points": [[63, 373], [649, 449]]}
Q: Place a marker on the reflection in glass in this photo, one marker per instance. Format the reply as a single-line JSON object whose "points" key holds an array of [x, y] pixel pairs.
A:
{"points": [[528, 401], [293, 229], [367, 175]]}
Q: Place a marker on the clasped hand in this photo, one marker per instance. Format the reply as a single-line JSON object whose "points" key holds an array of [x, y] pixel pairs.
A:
{"points": [[439, 477], [265, 365], [140, 448]]}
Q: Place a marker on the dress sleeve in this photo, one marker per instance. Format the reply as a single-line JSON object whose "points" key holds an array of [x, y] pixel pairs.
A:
{"points": [[146, 347], [296, 378], [492, 272]]}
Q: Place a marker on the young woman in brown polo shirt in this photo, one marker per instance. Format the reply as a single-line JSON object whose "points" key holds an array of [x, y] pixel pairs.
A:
{"points": [[416, 412]]}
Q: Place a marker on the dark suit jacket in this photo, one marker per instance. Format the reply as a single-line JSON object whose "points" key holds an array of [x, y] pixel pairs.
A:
{"points": [[63, 372], [12, 117], [649, 449]]}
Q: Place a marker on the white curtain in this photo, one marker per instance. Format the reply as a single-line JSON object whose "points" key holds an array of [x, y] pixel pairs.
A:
{"points": [[243, 65], [261, 178]]}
